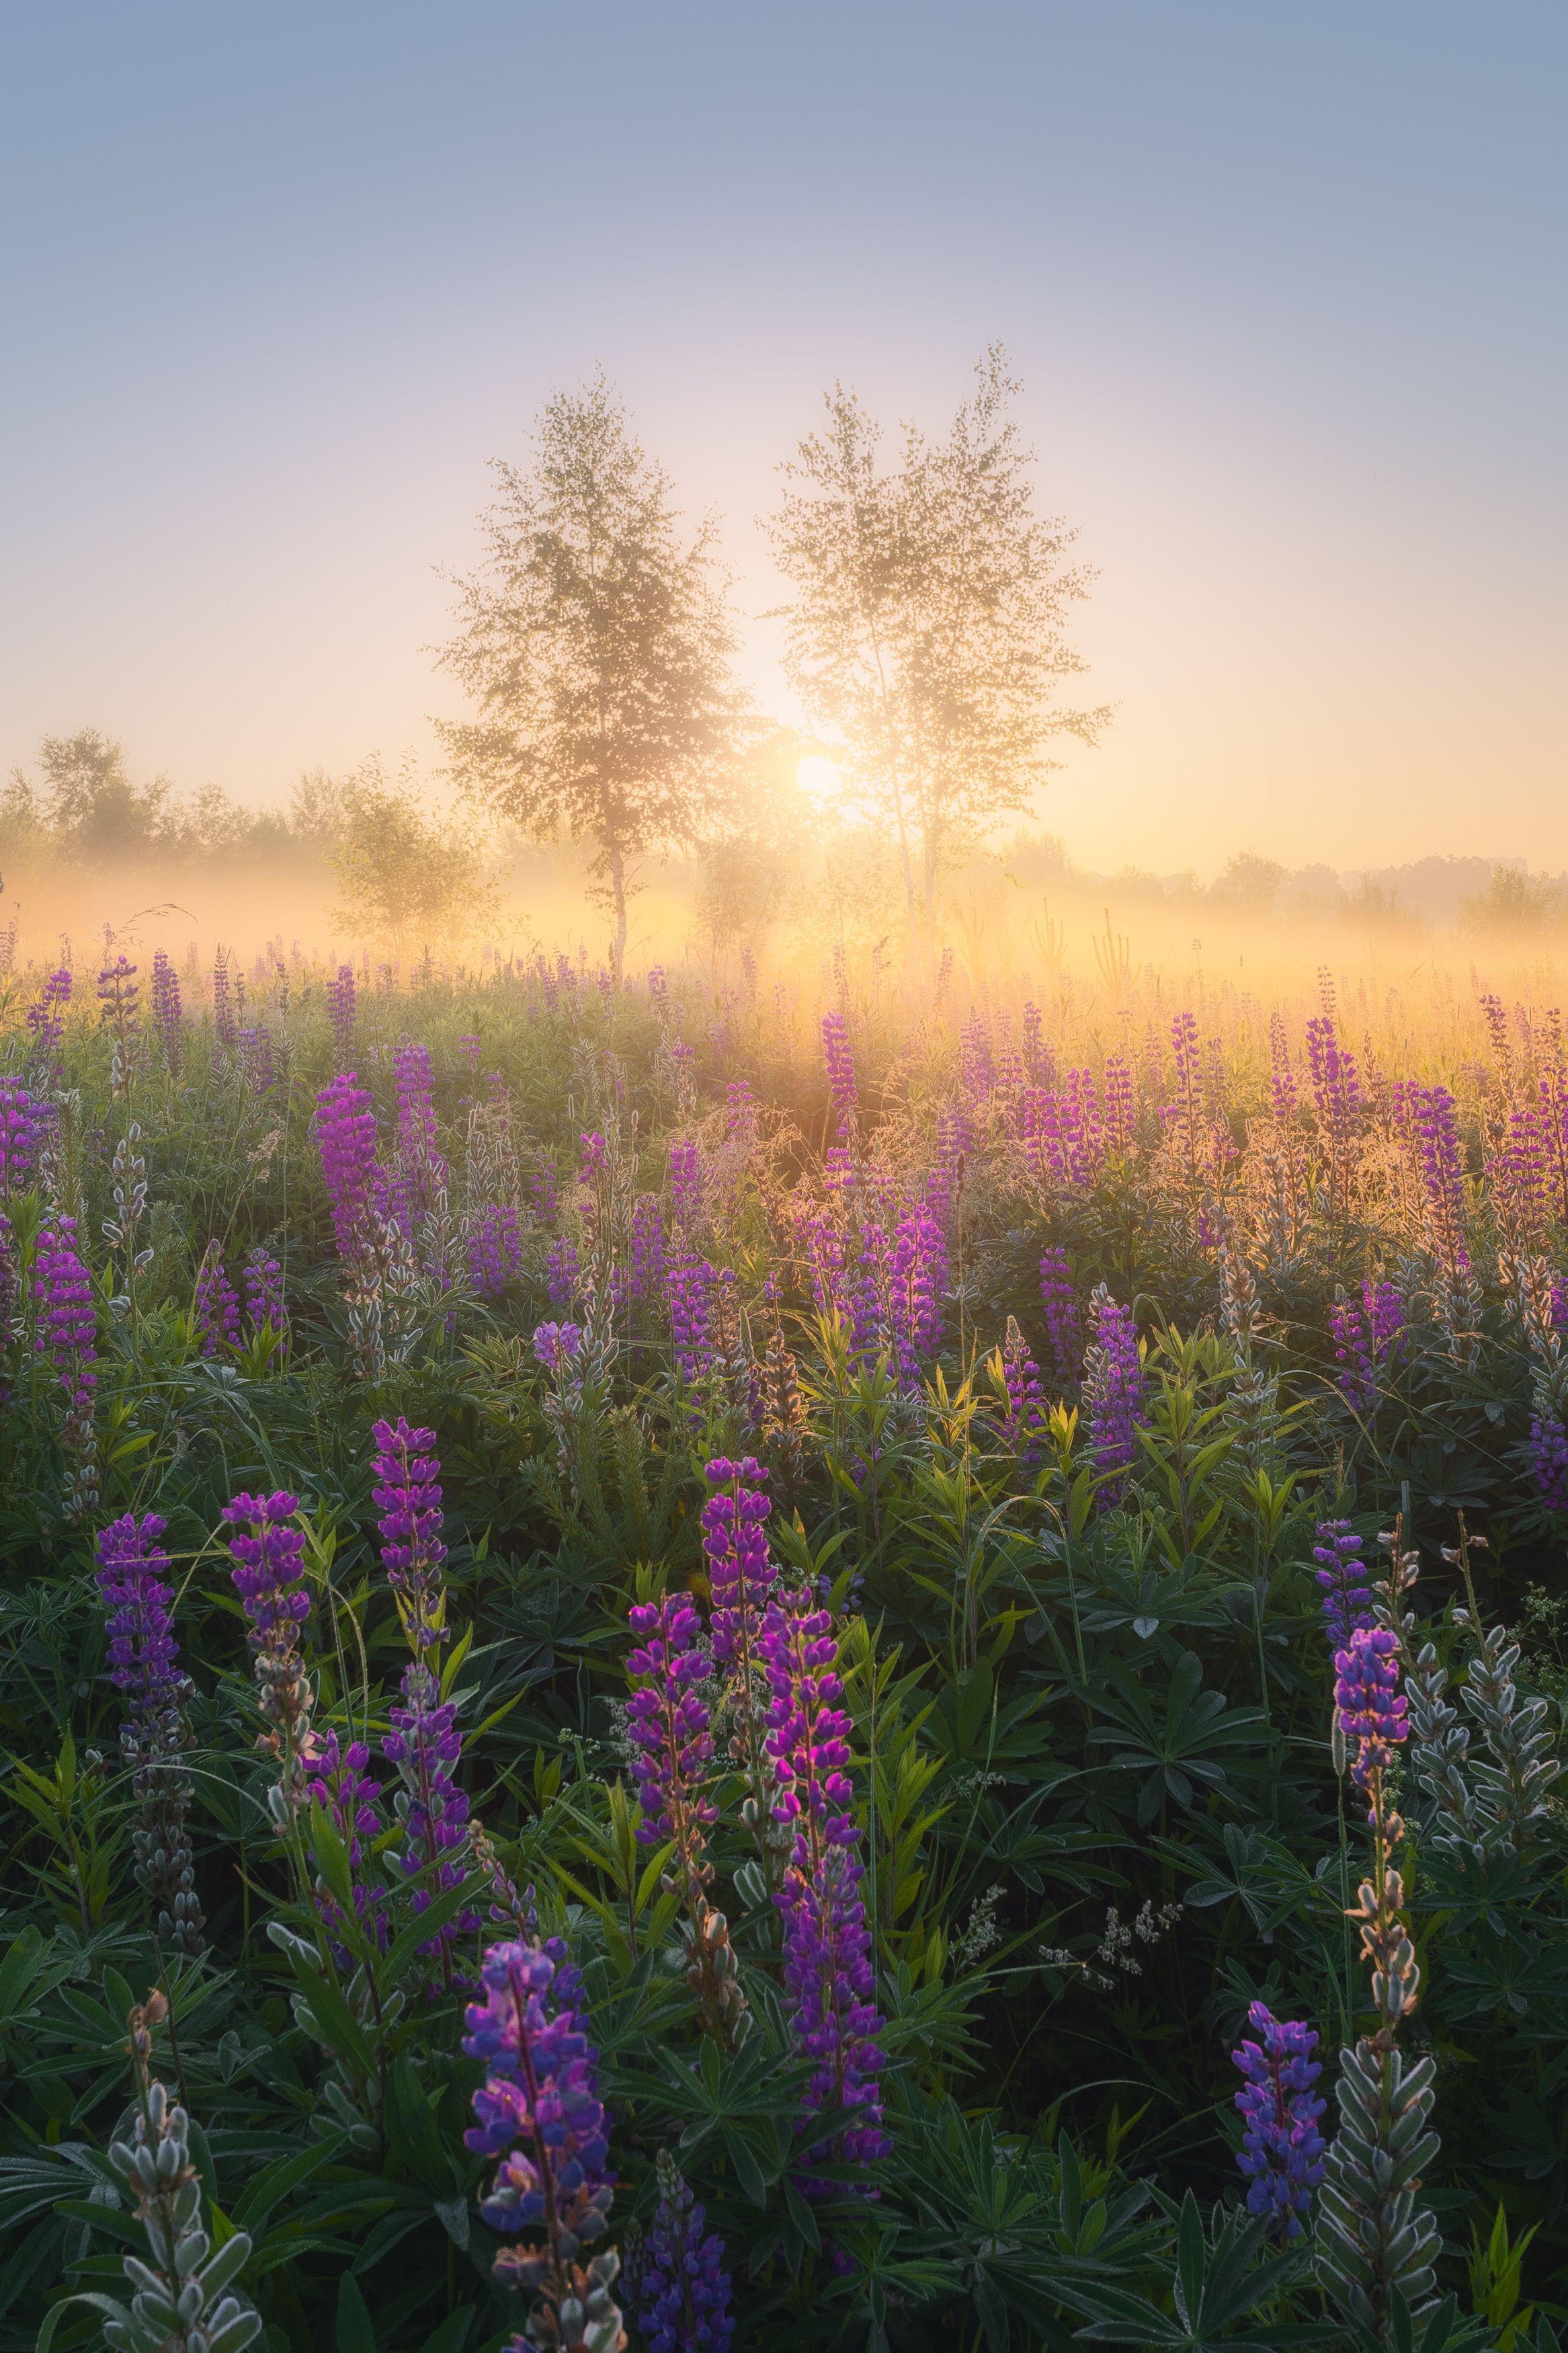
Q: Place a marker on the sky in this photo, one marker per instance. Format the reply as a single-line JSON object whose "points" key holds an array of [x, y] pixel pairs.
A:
{"points": [[1285, 287]]}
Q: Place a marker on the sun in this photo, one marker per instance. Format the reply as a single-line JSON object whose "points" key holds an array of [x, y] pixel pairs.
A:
{"points": [[819, 778]]}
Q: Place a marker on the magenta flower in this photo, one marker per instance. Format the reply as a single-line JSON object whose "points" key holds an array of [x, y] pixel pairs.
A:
{"points": [[557, 1344], [669, 1724], [1113, 1395], [143, 1656], [20, 1134], [843, 1092], [407, 1496], [741, 1575], [217, 1305], [1366, 1332], [1064, 1329]]}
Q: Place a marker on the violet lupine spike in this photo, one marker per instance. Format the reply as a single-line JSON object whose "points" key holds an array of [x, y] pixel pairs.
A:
{"points": [[336, 1780], [222, 1001], [828, 1975], [1548, 1455], [419, 1172], [345, 1137], [1023, 1426], [1113, 1390], [562, 1273], [1344, 1579], [46, 1024], [843, 1092], [556, 1344], [168, 1017], [692, 1282], [407, 1497], [424, 1744], [144, 1658], [269, 1575], [1443, 1180], [646, 1278], [341, 1014], [1372, 1710], [19, 1134], [66, 1333], [258, 1063], [740, 1575], [916, 1275], [681, 2296], [1282, 2153], [670, 1726], [494, 1252], [685, 1187], [1365, 1332], [1064, 1327], [264, 1301], [217, 1305], [539, 2111]]}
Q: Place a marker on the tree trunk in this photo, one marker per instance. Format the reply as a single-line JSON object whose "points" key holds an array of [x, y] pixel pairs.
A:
{"points": [[618, 893]]}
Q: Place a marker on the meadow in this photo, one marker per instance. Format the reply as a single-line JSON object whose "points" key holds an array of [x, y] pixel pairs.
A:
{"points": [[866, 1654]]}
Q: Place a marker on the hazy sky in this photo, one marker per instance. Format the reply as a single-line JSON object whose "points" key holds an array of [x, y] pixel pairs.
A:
{"points": [[1285, 286]]}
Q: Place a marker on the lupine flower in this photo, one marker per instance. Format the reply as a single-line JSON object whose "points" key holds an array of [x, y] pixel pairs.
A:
{"points": [[680, 2294], [217, 1305], [741, 1575], [495, 1251], [1281, 1077], [1443, 1179], [167, 1017], [1064, 1329], [1113, 1394], [66, 1333], [407, 1496], [1370, 1707], [1282, 2153], [684, 1185], [555, 1345], [539, 2112], [45, 1022], [418, 1171], [1548, 1451], [336, 1779], [646, 1276], [1365, 1332], [258, 1063], [264, 1302], [345, 1136], [1025, 1418], [828, 1975], [1345, 1581], [692, 1282], [842, 1090], [143, 1656], [268, 1576], [144, 1665], [917, 1266], [976, 1064], [18, 1133], [341, 1014], [562, 1271], [222, 1001], [670, 1723], [1121, 1109]]}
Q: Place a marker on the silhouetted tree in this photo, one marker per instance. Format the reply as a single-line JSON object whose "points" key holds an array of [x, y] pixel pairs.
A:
{"points": [[595, 642], [927, 632]]}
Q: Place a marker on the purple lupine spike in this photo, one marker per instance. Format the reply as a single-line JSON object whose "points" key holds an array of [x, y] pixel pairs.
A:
{"points": [[1365, 1332], [258, 1063], [976, 1063], [264, 1301], [144, 1666], [1281, 1077], [46, 1023], [562, 1272], [1345, 1581], [1113, 1395], [1064, 1329], [407, 1497], [1121, 1104], [143, 1656], [828, 1974], [222, 1001], [336, 1779], [647, 1277], [495, 1250], [67, 1329], [1443, 1178], [555, 1345], [684, 1185], [19, 1134], [341, 1014], [1548, 1456], [268, 1573], [692, 1283], [217, 1305], [1033, 1049], [741, 1575], [539, 2111], [1023, 1426], [669, 1724], [843, 1094], [1371, 1708], [168, 1018], [679, 2289], [345, 1137], [418, 1170], [1282, 2153], [916, 1272]]}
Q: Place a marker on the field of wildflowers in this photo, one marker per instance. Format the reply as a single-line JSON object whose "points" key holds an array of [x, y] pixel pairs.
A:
{"points": [[697, 1663]]}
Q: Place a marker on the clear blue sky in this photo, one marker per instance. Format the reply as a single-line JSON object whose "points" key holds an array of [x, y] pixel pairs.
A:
{"points": [[1286, 286]]}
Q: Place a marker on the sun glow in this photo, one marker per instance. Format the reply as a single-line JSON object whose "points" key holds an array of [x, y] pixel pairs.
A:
{"points": [[819, 778]]}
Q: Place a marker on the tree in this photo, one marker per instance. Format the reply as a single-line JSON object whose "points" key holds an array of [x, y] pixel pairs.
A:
{"points": [[403, 874], [88, 804], [1250, 881], [927, 634], [595, 642]]}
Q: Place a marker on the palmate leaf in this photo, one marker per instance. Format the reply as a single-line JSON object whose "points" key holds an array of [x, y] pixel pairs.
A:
{"points": [[1220, 2284]]}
